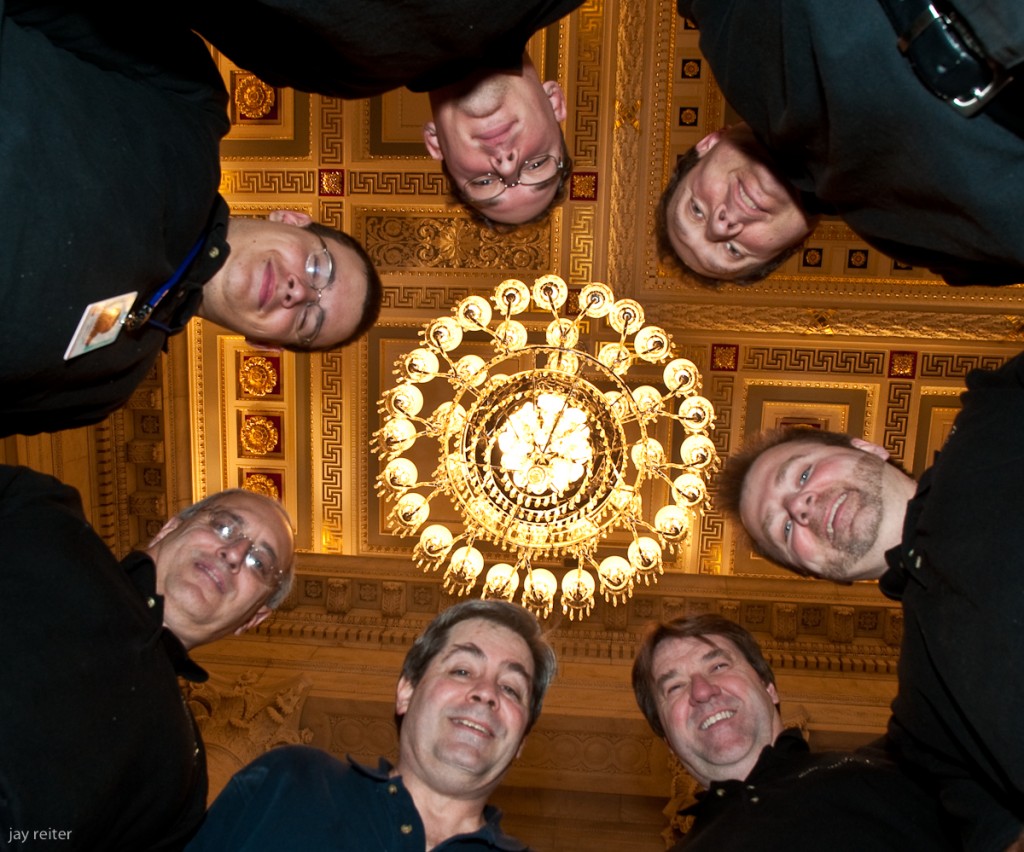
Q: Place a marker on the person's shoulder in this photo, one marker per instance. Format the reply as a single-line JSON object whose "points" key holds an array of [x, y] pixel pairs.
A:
{"points": [[301, 760]]}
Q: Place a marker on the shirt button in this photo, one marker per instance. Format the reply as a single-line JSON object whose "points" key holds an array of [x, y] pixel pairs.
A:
{"points": [[214, 252], [151, 602], [754, 799], [720, 791], [392, 789], [406, 829]]}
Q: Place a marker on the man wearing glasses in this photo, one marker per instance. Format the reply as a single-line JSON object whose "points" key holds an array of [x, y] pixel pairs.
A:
{"points": [[97, 741], [281, 281], [498, 138], [493, 118], [114, 236]]}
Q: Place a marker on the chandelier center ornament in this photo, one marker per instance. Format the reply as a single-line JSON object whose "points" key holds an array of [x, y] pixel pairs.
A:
{"points": [[549, 451]]}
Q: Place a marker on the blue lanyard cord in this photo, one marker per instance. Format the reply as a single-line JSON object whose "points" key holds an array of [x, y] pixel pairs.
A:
{"points": [[138, 318]]}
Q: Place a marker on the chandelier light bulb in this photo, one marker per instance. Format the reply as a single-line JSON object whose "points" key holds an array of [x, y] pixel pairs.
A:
{"points": [[645, 558], [616, 579], [681, 376], [411, 511], [399, 474], [444, 333], [403, 400], [577, 593], [473, 313], [539, 592], [502, 581], [511, 297]]}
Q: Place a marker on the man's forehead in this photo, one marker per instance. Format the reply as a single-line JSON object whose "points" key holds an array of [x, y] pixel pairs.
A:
{"points": [[674, 650], [259, 516], [510, 650]]}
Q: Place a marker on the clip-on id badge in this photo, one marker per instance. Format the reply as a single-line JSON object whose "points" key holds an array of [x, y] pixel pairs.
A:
{"points": [[100, 325]]}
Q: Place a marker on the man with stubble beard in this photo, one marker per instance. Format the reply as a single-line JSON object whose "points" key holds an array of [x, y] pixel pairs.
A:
{"points": [[950, 548]]}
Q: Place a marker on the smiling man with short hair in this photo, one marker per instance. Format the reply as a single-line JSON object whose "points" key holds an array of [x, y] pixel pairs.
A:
{"points": [[497, 134], [728, 214], [906, 151], [703, 685], [471, 688], [949, 548], [114, 236]]}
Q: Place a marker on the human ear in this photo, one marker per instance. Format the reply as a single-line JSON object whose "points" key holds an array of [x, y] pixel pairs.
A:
{"points": [[263, 347], [290, 217], [403, 696], [868, 447], [708, 142], [556, 97], [257, 618], [166, 529], [430, 140]]}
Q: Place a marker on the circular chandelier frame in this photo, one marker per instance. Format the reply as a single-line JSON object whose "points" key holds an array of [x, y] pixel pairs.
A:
{"points": [[544, 448]]}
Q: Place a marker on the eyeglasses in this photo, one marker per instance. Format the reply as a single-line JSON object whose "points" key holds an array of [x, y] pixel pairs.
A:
{"points": [[536, 171], [320, 269], [258, 559]]}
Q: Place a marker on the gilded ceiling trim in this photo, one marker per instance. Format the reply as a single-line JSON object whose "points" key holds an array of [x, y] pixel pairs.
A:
{"points": [[625, 144], [727, 315], [331, 142], [589, 55], [434, 239], [268, 181]]}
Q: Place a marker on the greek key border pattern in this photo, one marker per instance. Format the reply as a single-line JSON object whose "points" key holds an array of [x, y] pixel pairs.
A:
{"points": [[897, 420], [586, 126], [801, 360], [581, 245], [397, 183], [332, 448], [944, 365], [282, 181], [332, 126]]}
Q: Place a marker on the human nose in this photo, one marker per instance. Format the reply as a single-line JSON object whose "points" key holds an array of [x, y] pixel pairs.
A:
{"points": [[702, 690], [723, 225], [506, 164], [485, 692], [295, 291], [799, 505], [234, 552]]}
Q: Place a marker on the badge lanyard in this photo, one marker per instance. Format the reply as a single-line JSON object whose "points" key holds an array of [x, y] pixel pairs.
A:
{"points": [[137, 318]]}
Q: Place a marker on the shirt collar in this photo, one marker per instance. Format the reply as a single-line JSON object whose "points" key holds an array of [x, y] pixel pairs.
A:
{"points": [[141, 572]]}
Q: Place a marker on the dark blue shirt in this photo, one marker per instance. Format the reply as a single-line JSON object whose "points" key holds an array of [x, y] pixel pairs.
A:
{"points": [[297, 797]]}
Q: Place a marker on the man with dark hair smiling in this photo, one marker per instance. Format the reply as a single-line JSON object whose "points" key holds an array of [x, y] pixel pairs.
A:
{"points": [[950, 548], [97, 741], [471, 688], [727, 213], [113, 235], [915, 174], [495, 125], [496, 133], [703, 685]]}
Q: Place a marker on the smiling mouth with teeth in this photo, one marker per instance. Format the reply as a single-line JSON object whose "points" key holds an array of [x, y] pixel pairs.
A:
{"points": [[746, 198], [830, 524], [466, 723], [714, 719]]}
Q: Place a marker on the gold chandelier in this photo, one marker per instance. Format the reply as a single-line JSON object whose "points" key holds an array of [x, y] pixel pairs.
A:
{"points": [[544, 449]]}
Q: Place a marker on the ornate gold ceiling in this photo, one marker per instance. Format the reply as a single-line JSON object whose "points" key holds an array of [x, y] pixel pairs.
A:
{"points": [[840, 336]]}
